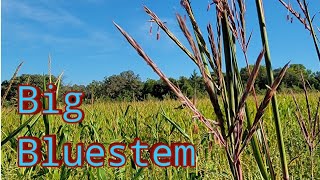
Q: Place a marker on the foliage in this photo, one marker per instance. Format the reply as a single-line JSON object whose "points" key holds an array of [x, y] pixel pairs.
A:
{"points": [[128, 86]]}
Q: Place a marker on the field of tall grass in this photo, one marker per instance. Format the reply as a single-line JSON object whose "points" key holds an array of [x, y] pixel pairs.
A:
{"points": [[159, 121], [237, 133]]}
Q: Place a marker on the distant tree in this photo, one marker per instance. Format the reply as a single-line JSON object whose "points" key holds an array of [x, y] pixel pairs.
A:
{"points": [[185, 86], [292, 78], [197, 83], [314, 80], [148, 88], [95, 89], [126, 85], [261, 80], [158, 89]]}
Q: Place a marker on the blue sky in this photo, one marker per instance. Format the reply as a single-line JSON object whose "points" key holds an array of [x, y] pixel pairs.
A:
{"points": [[82, 41]]}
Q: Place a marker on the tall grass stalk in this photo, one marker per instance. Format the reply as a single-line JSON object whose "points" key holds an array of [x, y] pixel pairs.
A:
{"points": [[244, 43], [267, 57]]}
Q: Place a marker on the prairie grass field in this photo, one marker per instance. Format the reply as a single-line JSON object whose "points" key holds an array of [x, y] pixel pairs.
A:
{"points": [[241, 122], [158, 121]]}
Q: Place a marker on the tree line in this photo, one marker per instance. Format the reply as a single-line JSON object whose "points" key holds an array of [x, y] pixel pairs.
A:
{"points": [[127, 86]]}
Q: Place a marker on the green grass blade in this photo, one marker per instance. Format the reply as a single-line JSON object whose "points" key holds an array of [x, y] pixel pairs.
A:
{"points": [[182, 132], [102, 174], [15, 132], [138, 174]]}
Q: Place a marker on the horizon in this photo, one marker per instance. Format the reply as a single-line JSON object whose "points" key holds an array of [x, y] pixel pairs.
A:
{"points": [[88, 42], [142, 80]]}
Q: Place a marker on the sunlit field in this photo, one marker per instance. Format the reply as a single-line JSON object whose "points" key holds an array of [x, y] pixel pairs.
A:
{"points": [[157, 121], [249, 110]]}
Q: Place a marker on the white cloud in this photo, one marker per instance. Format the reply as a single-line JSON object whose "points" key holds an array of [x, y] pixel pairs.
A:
{"points": [[39, 13], [48, 23]]}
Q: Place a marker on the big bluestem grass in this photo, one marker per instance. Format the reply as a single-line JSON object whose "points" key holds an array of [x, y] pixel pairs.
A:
{"points": [[229, 128]]}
